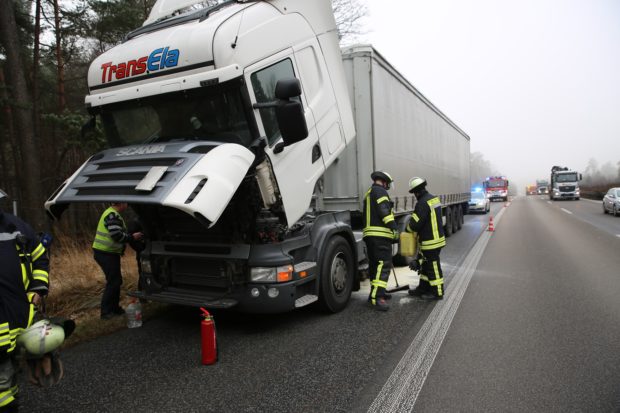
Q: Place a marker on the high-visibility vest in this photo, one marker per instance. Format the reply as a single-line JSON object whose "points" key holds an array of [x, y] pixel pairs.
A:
{"points": [[378, 213], [103, 241]]}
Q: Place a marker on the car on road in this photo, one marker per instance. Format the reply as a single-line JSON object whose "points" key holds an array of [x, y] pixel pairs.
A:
{"points": [[611, 202], [479, 203]]}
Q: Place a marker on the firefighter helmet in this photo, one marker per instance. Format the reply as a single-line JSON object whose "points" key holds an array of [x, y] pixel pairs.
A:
{"points": [[42, 337], [416, 183], [384, 176]]}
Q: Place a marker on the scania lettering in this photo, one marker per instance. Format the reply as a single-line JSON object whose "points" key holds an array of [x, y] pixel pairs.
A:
{"points": [[247, 164]]}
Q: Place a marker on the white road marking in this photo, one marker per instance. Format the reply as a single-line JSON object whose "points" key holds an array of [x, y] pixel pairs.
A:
{"points": [[401, 390], [618, 235], [566, 210], [549, 202], [591, 200]]}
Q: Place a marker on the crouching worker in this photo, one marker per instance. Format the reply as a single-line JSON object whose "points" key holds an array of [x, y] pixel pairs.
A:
{"points": [[426, 221], [23, 282]]}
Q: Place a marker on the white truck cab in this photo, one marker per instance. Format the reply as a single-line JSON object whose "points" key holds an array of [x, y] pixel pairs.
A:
{"points": [[225, 116]]}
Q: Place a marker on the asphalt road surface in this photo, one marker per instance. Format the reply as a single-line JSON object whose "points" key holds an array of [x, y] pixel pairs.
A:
{"points": [[536, 330]]}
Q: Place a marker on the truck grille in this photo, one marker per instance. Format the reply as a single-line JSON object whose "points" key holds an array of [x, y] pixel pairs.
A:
{"points": [[197, 272], [567, 188], [120, 177]]}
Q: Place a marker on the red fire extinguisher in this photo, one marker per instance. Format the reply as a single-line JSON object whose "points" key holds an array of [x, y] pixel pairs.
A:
{"points": [[209, 340]]}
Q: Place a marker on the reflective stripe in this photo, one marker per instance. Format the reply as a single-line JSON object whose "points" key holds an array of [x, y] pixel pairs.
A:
{"points": [[367, 208], [379, 283], [415, 217], [388, 218], [375, 287], [38, 251], [433, 216], [439, 281], [383, 199], [8, 396]]}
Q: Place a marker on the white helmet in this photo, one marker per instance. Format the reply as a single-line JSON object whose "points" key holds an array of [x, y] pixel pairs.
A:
{"points": [[42, 337], [416, 182]]}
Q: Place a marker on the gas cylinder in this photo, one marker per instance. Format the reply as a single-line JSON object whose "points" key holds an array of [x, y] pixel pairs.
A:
{"points": [[208, 338]]}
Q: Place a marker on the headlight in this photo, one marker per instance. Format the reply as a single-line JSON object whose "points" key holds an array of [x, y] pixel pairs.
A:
{"points": [[271, 274]]}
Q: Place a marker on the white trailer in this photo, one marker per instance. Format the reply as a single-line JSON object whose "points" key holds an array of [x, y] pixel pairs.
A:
{"points": [[402, 132]]}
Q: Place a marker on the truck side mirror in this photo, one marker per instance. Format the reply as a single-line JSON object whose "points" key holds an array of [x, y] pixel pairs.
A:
{"points": [[290, 113], [580, 177]]}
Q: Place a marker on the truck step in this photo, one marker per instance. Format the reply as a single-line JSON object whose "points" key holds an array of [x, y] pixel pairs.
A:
{"points": [[305, 300]]}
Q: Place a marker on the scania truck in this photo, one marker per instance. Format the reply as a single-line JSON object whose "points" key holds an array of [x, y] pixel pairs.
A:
{"points": [[233, 138]]}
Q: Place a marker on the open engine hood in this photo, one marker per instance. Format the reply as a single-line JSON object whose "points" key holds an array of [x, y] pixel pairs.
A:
{"points": [[198, 178]]}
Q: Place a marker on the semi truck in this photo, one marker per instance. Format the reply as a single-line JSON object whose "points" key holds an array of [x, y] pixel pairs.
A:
{"points": [[564, 183], [243, 139], [531, 190], [496, 188], [542, 187]]}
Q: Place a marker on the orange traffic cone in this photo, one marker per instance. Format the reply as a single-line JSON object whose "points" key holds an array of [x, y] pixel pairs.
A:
{"points": [[491, 227]]}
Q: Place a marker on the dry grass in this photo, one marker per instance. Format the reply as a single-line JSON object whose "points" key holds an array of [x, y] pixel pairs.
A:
{"points": [[76, 284], [76, 281]]}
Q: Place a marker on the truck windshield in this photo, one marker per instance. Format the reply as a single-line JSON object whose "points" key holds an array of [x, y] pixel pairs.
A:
{"points": [[495, 184], [567, 177], [208, 113]]}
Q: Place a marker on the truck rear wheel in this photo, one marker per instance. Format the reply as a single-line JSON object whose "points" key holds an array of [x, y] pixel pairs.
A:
{"points": [[455, 219], [336, 276], [448, 227]]}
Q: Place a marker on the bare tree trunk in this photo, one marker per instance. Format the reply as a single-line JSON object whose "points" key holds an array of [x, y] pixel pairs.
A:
{"points": [[62, 103], [36, 57], [22, 111], [10, 168]]}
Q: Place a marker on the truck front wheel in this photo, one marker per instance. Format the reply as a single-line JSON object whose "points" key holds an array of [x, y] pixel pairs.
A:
{"points": [[336, 282]]}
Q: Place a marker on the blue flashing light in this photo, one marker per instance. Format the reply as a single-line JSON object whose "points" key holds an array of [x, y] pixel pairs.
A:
{"points": [[476, 189]]}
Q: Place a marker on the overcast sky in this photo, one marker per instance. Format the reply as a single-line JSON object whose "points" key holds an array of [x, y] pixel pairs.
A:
{"points": [[535, 83]]}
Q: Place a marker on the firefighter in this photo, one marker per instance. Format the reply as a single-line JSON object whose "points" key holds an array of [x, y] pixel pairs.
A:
{"points": [[426, 221], [108, 247], [24, 280], [380, 231]]}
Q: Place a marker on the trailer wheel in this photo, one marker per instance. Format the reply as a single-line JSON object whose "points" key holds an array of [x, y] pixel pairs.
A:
{"points": [[336, 282], [448, 227], [455, 219], [459, 215]]}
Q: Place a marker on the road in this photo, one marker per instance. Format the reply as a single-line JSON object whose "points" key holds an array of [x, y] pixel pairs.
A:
{"points": [[538, 329]]}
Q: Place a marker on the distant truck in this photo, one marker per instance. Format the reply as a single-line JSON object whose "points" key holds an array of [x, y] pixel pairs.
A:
{"points": [[246, 150], [496, 188], [564, 184], [531, 190], [542, 187]]}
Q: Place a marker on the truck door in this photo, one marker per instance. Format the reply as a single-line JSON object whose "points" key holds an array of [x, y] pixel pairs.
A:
{"points": [[298, 167]]}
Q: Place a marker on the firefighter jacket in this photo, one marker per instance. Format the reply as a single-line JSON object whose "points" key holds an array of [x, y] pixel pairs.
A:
{"points": [[426, 221], [378, 214], [24, 272], [111, 233]]}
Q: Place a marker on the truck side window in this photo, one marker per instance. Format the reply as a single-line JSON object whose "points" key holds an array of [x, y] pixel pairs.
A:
{"points": [[264, 85]]}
